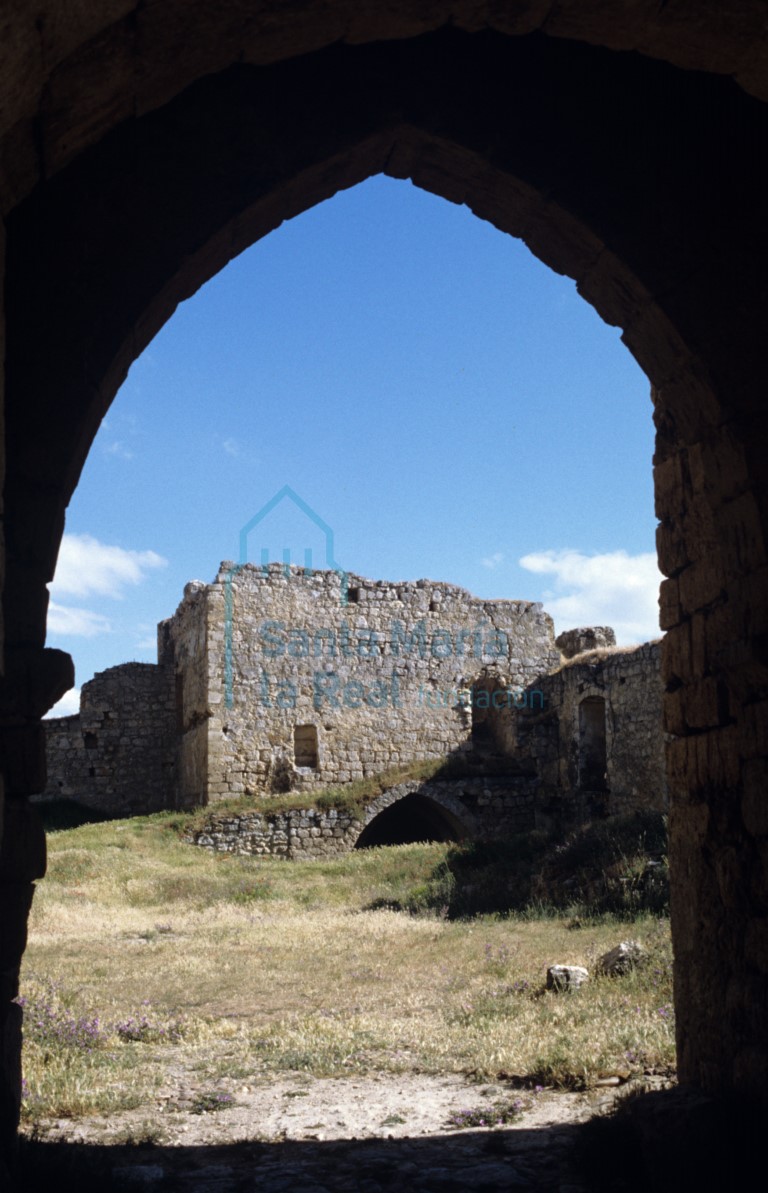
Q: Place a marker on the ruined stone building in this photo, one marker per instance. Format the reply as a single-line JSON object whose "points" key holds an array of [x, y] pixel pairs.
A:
{"points": [[271, 680], [143, 146]]}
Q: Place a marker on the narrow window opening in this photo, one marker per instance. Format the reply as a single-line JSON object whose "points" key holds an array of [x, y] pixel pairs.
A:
{"points": [[482, 729], [353, 596], [91, 741], [593, 759], [305, 750]]}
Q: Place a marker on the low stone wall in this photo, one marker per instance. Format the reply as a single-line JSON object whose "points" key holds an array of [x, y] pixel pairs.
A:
{"points": [[299, 833], [477, 807]]}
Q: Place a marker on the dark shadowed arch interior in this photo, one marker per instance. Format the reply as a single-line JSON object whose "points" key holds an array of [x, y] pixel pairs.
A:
{"points": [[413, 818]]}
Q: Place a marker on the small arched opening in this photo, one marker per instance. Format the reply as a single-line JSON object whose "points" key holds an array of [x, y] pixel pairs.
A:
{"points": [[413, 818]]}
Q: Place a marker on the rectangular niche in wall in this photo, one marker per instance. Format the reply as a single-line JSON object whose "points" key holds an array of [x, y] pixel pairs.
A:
{"points": [[305, 751]]}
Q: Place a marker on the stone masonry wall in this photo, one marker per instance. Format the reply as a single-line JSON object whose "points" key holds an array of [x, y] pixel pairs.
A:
{"points": [[476, 807], [182, 645], [118, 754], [375, 679]]}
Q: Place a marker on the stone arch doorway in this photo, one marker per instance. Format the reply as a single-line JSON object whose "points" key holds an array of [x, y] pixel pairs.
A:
{"points": [[637, 177], [414, 812], [412, 819]]}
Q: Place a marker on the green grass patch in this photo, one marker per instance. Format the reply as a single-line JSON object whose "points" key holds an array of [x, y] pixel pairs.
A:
{"points": [[351, 798]]}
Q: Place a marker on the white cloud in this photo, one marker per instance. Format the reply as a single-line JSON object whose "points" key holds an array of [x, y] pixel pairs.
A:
{"points": [[118, 434], [69, 704], [493, 561], [76, 623], [118, 448], [615, 589], [87, 567], [231, 447]]}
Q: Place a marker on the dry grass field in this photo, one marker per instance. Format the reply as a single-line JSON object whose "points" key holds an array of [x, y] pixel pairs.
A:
{"points": [[143, 948]]}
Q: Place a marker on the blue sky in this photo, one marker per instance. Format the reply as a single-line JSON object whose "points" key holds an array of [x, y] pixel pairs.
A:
{"points": [[447, 404]]}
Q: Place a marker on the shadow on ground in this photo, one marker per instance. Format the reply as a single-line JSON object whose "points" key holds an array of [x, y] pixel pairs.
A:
{"points": [[482, 1161], [669, 1140]]}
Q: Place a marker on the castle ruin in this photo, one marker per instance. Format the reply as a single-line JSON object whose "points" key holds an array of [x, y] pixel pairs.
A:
{"points": [[271, 680]]}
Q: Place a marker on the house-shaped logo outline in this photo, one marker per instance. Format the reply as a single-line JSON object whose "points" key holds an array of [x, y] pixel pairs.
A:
{"points": [[286, 493]]}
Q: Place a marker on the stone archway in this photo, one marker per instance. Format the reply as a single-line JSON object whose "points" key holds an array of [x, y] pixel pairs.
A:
{"points": [[403, 814], [134, 171], [412, 818]]}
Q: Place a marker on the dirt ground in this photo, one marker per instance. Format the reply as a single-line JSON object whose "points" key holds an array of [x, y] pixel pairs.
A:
{"points": [[300, 1107], [366, 1134]]}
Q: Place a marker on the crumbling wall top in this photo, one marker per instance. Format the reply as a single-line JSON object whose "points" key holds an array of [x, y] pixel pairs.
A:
{"points": [[573, 642]]}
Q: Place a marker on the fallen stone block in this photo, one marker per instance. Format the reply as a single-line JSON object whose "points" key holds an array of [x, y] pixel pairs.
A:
{"points": [[621, 959], [566, 977]]}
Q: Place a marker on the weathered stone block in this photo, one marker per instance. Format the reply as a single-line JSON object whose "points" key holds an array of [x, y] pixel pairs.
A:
{"points": [[621, 959], [566, 977]]}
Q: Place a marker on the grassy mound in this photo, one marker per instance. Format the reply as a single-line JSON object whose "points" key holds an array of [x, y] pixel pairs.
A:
{"points": [[349, 797], [609, 867]]}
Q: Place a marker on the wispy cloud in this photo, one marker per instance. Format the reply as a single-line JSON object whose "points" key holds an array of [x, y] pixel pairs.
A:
{"points": [[120, 435], [493, 561], [87, 567], [231, 447], [69, 704], [70, 622], [615, 589], [118, 448]]}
